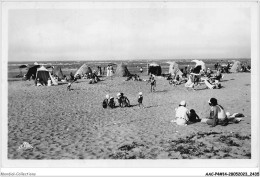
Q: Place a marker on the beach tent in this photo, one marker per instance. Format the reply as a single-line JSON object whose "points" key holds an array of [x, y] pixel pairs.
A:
{"points": [[155, 69], [174, 69], [122, 70], [84, 69], [43, 74], [57, 72], [23, 66], [200, 63], [32, 72], [236, 67]]}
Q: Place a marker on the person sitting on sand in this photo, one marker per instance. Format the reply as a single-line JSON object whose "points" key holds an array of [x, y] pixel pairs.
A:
{"points": [[39, 82], [193, 116], [189, 83], [185, 72], [124, 101], [182, 114], [106, 101], [218, 75], [140, 100], [217, 114], [111, 102], [69, 85], [119, 99], [211, 84], [208, 73]]}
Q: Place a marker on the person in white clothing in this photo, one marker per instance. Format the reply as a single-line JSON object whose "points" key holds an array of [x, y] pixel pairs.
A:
{"points": [[49, 82], [182, 114]]}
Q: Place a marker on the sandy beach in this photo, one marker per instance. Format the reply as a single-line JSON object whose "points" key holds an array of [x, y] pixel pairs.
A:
{"points": [[61, 124]]}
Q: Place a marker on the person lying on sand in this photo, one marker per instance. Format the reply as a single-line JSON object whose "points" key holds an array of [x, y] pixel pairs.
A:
{"points": [[212, 85], [182, 114], [217, 114]]}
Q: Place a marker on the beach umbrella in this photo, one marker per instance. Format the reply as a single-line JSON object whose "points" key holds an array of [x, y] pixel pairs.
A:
{"points": [[23, 66], [199, 63]]}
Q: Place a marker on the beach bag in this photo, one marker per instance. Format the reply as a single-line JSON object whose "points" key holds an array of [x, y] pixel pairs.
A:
{"points": [[104, 104]]}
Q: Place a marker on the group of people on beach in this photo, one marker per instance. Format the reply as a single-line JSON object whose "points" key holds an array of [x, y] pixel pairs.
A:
{"points": [[217, 116], [123, 101]]}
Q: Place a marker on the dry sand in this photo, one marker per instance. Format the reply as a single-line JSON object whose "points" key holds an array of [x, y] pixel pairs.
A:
{"points": [[62, 124]]}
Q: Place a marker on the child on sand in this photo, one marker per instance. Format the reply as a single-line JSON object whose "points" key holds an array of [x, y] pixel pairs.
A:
{"points": [[49, 82], [105, 101], [124, 100], [140, 100], [193, 116], [119, 99]]}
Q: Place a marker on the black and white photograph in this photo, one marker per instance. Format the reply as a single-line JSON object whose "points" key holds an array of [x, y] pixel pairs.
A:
{"points": [[130, 81]]}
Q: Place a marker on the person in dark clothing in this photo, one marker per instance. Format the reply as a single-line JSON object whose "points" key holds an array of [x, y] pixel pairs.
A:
{"points": [[193, 116], [185, 72], [111, 102], [140, 100], [123, 100]]}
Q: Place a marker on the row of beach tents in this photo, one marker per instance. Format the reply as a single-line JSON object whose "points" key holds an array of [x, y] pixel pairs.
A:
{"points": [[42, 72]]}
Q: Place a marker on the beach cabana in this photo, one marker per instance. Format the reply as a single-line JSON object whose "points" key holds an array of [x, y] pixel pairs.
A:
{"points": [[43, 74], [122, 70], [155, 69], [174, 69], [200, 65], [32, 72], [84, 69], [236, 67], [57, 72]]}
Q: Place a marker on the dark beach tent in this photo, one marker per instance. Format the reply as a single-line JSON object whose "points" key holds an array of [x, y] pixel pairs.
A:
{"points": [[122, 70], [84, 69], [236, 67], [197, 69], [58, 72], [32, 72], [155, 69], [43, 74], [198, 66], [174, 69], [23, 66]]}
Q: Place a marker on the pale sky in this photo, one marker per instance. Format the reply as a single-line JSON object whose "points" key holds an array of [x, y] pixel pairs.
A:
{"points": [[134, 33]]}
